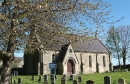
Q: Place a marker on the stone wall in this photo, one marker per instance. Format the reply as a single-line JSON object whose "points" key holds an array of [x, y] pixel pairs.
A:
{"points": [[82, 58], [96, 58], [47, 58], [39, 63]]}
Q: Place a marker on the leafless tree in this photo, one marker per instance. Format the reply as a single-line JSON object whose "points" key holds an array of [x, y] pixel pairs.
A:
{"points": [[124, 32], [113, 43], [118, 41]]}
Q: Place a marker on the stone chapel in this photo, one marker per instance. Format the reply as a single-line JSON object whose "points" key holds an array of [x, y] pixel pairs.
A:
{"points": [[88, 56]]}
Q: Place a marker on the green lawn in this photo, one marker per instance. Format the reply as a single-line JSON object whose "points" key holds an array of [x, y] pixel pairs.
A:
{"points": [[98, 78]]}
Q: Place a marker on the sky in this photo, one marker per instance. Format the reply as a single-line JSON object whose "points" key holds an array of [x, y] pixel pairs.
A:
{"points": [[120, 8]]}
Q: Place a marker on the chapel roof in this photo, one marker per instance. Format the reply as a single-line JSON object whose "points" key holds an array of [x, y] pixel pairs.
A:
{"points": [[79, 44], [90, 45]]}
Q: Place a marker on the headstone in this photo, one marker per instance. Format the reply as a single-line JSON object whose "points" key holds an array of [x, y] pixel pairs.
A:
{"points": [[79, 79], [64, 76], [107, 80], [126, 70], [40, 79], [11, 80], [71, 77], [75, 82], [33, 77], [45, 79], [16, 73], [19, 81], [52, 79], [55, 76], [63, 80], [14, 82], [121, 81], [89, 82]]}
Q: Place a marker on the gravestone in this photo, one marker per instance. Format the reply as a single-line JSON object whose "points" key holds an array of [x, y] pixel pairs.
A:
{"points": [[19, 81], [126, 70], [40, 79], [15, 73], [55, 77], [121, 81], [64, 76], [79, 79], [89, 82], [63, 80], [52, 79], [71, 77], [14, 82], [75, 82], [45, 79], [11, 80], [33, 77], [107, 80]]}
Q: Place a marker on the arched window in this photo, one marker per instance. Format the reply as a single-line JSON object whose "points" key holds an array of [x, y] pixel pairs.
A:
{"points": [[70, 50], [90, 61], [104, 61]]}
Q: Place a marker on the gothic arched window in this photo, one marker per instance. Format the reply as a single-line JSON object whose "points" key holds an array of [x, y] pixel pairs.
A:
{"points": [[104, 61], [90, 61]]}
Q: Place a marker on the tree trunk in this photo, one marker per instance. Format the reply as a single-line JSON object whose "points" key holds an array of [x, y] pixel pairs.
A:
{"points": [[124, 62], [7, 59], [119, 62], [6, 72], [124, 57]]}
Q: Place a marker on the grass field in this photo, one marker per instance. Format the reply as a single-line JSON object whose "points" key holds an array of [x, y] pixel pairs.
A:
{"points": [[98, 78]]}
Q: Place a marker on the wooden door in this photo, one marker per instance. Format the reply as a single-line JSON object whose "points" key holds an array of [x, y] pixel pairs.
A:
{"points": [[70, 67]]}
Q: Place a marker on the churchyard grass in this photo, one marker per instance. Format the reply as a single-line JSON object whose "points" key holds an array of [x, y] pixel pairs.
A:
{"points": [[98, 78]]}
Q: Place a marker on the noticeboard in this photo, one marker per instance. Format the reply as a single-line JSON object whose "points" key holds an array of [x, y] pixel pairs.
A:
{"points": [[52, 65]]}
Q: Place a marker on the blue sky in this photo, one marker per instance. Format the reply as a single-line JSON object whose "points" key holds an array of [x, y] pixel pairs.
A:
{"points": [[120, 8]]}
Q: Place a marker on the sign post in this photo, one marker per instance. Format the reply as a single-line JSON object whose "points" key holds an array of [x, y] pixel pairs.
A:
{"points": [[52, 67]]}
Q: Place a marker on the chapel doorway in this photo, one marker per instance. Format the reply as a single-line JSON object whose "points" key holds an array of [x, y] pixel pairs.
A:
{"points": [[70, 67]]}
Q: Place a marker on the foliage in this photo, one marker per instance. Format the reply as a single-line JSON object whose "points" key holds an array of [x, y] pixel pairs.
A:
{"points": [[124, 33], [113, 43], [35, 23], [118, 41]]}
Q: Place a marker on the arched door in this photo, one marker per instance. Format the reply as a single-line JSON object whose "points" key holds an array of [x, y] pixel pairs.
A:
{"points": [[70, 67]]}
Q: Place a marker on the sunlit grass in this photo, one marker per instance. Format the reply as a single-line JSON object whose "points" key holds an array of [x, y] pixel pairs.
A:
{"points": [[98, 78]]}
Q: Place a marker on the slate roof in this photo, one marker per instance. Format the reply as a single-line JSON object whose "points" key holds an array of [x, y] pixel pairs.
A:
{"points": [[84, 44], [90, 45]]}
